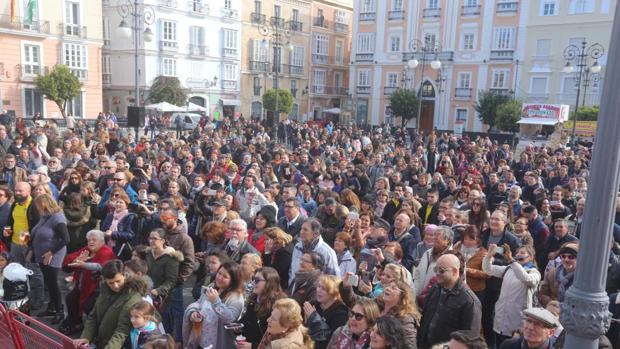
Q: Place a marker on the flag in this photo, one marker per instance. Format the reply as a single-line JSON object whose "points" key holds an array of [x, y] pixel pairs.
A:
{"points": [[12, 10], [32, 5]]}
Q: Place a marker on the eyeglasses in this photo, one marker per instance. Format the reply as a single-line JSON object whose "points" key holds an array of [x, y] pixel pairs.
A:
{"points": [[357, 316], [167, 218], [258, 280], [153, 238], [289, 206], [567, 256]]}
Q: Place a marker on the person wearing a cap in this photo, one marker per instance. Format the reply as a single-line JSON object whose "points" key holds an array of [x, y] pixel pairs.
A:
{"points": [[539, 325], [423, 273], [332, 217], [559, 278]]}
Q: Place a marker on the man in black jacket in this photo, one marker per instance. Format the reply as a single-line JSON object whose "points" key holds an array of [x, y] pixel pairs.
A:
{"points": [[430, 210], [292, 220], [450, 306]]}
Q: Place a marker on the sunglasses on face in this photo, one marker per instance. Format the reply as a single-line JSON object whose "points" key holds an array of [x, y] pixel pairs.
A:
{"points": [[568, 256], [357, 316], [257, 280], [440, 271]]}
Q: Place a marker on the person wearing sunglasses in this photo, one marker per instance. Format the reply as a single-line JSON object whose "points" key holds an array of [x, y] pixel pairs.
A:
{"points": [[559, 278], [356, 332]]}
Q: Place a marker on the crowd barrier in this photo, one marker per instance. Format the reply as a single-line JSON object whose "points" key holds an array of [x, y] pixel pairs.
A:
{"points": [[20, 331]]}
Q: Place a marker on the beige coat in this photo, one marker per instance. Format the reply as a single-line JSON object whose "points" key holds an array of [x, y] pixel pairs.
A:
{"points": [[294, 340]]}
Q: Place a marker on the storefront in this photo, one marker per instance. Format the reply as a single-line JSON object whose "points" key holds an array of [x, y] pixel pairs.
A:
{"points": [[540, 120]]}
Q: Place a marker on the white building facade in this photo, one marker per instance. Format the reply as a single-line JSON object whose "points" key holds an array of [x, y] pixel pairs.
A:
{"points": [[197, 41]]}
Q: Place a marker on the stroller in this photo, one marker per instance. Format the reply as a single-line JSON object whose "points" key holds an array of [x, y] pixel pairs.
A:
{"points": [[15, 288]]}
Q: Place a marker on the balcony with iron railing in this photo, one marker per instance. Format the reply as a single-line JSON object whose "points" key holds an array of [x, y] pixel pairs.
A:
{"points": [[430, 56], [294, 69], [320, 22], [462, 92], [363, 90], [396, 15], [329, 90], [229, 84], [71, 29], [368, 16], [502, 55], [165, 45], [106, 78], [470, 10], [341, 27], [507, 7], [277, 21], [500, 90], [364, 57], [197, 8], [318, 58], [258, 66], [198, 50], [22, 24], [388, 90], [296, 26], [431, 13], [229, 52], [258, 18]]}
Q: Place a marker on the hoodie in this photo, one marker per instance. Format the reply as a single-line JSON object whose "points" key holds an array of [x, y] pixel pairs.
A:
{"points": [[164, 270]]}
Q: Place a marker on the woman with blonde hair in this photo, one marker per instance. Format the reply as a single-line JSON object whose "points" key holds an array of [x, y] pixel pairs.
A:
{"points": [[278, 253], [327, 313], [285, 328], [40, 189], [350, 200], [50, 237], [398, 301], [250, 262], [356, 333]]}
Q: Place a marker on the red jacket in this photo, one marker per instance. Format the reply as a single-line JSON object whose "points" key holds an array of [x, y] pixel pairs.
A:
{"points": [[88, 280]]}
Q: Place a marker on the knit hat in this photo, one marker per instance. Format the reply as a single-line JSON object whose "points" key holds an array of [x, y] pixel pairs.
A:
{"points": [[569, 248]]}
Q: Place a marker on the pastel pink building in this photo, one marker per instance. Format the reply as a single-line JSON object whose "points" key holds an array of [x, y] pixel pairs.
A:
{"points": [[37, 36]]}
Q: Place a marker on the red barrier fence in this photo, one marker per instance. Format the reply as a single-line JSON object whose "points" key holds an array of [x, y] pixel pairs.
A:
{"points": [[20, 331]]}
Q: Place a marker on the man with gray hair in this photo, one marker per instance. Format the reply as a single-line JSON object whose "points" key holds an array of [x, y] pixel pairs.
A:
{"points": [[310, 240], [423, 273], [238, 245]]}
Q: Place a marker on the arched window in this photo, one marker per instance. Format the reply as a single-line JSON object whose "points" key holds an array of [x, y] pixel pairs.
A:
{"points": [[428, 91], [198, 100]]}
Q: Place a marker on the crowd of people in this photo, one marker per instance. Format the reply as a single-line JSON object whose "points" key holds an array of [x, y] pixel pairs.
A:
{"points": [[325, 237]]}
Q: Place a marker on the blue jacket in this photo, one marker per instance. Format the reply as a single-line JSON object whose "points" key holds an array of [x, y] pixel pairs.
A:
{"points": [[125, 229], [133, 196]]}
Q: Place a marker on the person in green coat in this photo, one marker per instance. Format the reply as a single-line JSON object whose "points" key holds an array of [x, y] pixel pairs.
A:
{"points": [[163, 264], [108, 325]]}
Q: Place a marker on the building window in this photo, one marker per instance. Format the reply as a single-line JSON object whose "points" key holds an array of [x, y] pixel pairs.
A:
{"points": [[169, 31], [33, 102], [337, 81], [321, 44], [75, 106], [297, 56], [277, 11], [543, 47], [503, 38], [257, 110], [468, 41], [500, 78], [397, 5], [581, 6], [369, 6], [365, 42], [295, 15], [196, 36], [548, 8], [257, 86], [433, 4], [538, 87], [319, 77], [430, 39], [339, 52], [294, 88], [464, 80], [394, 43], [258, 7], [169, 67], [31, 60], [340, 16], [461, 115], [363, 78], [471, 3], [72, 18], [569, 86], [228, 4], [230, 72], [295, 111], [230, 39], [106, 66], [76, 58], [576, 41], [392, 80]]}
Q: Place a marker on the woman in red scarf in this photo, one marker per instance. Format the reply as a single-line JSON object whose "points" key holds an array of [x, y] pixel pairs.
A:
{"points": [[85, 264]]}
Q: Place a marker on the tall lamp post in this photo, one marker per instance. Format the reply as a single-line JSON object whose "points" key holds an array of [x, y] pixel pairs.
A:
{"points": [[426, 48], [138, 13], [584, 71], [276, 32]]}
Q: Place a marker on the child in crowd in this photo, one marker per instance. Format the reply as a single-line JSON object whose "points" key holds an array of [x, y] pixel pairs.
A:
{"points": [[138, 267], [160, 342], [144, 325]]}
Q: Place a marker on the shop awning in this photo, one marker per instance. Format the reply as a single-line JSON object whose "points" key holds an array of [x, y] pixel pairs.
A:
{"points": [[538, 121], [235, 102]]}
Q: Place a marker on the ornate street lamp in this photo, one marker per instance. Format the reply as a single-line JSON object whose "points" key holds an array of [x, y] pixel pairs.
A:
{"points": [[425, 48]]}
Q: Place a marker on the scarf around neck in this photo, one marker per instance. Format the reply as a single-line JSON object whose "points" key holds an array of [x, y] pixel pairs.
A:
{"points": [[346, 339], [116, 217]]}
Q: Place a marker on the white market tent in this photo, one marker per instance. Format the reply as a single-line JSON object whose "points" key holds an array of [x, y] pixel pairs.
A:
{"points": [[195, 107], [164, 107]]}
